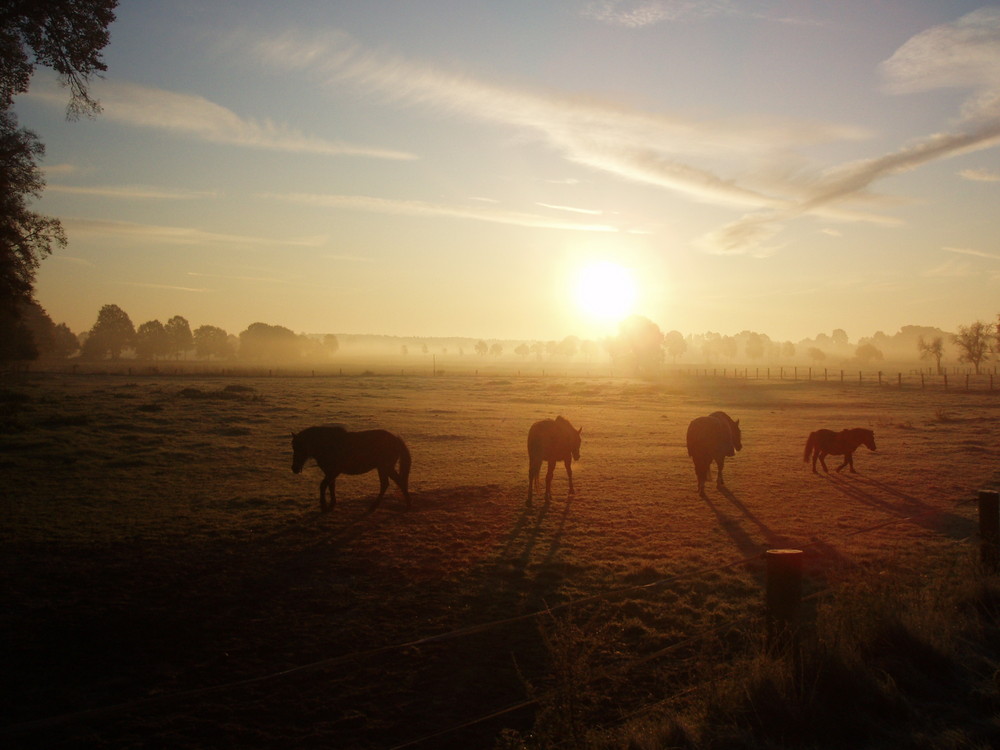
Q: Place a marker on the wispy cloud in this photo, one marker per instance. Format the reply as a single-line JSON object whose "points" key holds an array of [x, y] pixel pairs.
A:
{"points": [[571, 209], [165, 286], [420, 208], [133, 193], [258, 279], [970, 251], [637, 13], [980, 175], [196, 117], [177, 235], [647, 147], [674, 152]]}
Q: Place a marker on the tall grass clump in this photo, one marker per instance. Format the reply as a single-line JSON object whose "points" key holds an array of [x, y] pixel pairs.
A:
{"points": [[883, 660]]}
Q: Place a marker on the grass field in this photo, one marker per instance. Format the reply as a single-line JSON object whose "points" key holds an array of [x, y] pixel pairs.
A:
{"points": [[165, 575]]}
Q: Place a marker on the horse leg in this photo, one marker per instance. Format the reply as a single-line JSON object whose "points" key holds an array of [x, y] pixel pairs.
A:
{"points": [[401, 483], [383, 485], [822, 460], [848, 461], [328, 482], [548, 479], [569, 473], [814, 457], [701, 471], [720, 462], [534, 469]]}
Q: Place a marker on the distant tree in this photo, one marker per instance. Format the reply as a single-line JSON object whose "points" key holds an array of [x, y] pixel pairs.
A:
{"points": [[788, 350], [151, 340], [179, 336], [840, 337], [212, 341], [816, 354], [589, 348], [111, 334], [482, 348], [267, 342], [404, 350], [331, 344], [568, 347], [496, 349], [933, 349], [64, 342], [755, 346], [974, 341], [643, 340], [522, 350], [537, 348], [675, 345], [868, 353]]}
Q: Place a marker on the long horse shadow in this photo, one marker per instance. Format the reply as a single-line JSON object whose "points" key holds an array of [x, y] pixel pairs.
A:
{"points": [[866, 490], [824, 555]]}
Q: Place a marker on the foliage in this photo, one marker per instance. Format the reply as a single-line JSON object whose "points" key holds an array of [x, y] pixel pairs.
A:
{"points": [[868, 353], [112, 333], [67, 36], [266, 342], [151, 340], [974, 342], [212, 341], [934, 349], [179, 337]]}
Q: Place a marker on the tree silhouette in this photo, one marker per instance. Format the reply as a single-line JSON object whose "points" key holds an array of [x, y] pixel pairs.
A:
{"points": [[974, 341], [643, 340], [212, 341], [331, 344], [179, 336], [152, 340], [868, 353], [112, 333], [933, 350], [482, 349], [66, 36], [263, 341]]}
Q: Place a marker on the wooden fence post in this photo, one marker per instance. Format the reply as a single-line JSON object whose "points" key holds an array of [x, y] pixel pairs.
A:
{"points": [[989, 529], [784, 595]]}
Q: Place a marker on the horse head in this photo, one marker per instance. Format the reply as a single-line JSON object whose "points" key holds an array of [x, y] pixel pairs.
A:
{"points": [[737, 435], [576, 444], [299, 453], [869, 440]]}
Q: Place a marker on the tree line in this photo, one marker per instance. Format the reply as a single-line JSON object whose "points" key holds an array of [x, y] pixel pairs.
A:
{"points": [[114, 335]]}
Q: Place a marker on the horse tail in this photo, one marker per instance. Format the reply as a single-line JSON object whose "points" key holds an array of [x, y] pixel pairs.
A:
{"points": [[405, 461], [809, 446]]}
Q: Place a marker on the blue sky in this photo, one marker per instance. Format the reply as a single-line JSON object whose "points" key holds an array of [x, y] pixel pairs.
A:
{"points": [[453, 168]]}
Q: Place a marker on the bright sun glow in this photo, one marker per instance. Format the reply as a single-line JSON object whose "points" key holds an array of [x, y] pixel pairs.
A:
{"points": [[606, 292]]}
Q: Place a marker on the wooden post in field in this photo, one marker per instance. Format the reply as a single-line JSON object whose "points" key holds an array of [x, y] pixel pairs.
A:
{"points": [[989, 529], [784, 595], [921, 380], [879, 378], [966, 381], [899, 379]]}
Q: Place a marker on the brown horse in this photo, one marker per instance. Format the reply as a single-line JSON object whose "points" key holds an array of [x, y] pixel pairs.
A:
{"points": [[712, 438], [551, 440], [338, 451], [823, 443]]}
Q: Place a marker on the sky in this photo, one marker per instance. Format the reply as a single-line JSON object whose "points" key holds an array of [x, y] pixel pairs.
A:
{"points": [[528, 170]]}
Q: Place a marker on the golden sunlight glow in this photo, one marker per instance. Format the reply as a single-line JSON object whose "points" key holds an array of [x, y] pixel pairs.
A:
{"points": [[605, 292]]}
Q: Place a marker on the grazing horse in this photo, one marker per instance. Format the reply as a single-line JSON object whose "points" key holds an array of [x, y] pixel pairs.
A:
{"points": [[712, 438], [551, 440], [823, 443], [338, 451]]}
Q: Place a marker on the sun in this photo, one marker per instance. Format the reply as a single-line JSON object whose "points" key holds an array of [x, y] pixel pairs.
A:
{"points": [[605, 292]]}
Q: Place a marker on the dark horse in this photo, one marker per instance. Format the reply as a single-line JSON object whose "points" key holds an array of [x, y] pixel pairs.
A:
{"points": [[338, 451], [551, 440], [712, 438], [823, 443]]}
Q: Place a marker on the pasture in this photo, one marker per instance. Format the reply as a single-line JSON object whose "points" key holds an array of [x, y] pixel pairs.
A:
{"points": [[168, 580]]}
